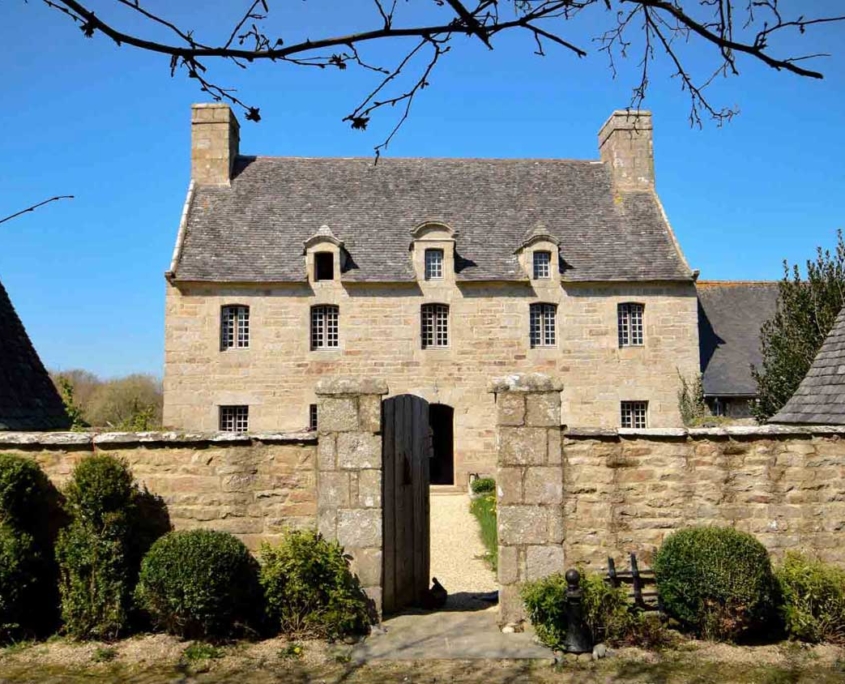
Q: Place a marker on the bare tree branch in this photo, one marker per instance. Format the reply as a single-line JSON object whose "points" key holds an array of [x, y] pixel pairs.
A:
{"points": [[35, 206], [730, 28]]}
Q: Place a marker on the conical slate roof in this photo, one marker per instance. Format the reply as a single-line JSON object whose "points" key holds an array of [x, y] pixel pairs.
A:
{"points": [[28, 399], [820, 398]]}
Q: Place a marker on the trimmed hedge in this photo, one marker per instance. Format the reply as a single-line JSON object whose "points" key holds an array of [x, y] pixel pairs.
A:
{"points": [[812, 599], [310, 590], [200, 584], [716, 581], [112, 525], [28, 596]]}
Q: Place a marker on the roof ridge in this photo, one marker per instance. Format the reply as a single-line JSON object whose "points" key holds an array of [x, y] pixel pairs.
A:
{"points": [[729, 283], [567, 160]]}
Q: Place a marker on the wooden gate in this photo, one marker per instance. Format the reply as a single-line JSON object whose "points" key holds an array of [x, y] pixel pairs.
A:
{"points": [[406, 447]]}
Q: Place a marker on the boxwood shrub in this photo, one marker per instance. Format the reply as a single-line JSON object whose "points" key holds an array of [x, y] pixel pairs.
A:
{"points": [[813, 599], [28, 594], [99, 553], [483, 485], [309, 588], [200, 584], [716, 581], [606, 609]]}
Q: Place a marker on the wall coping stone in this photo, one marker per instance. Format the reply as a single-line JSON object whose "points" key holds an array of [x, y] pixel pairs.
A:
{"points": [[52, 439], [525, 382], [351, 386], [724, 432]]}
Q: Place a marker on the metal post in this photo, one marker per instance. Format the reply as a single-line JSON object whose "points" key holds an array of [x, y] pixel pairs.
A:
{"points": [[577, 635]]}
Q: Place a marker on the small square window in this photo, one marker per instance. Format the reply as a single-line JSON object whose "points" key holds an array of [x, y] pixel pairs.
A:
{"points": [[234, 419], [323, 266], [433, 264], [312, 417], [542, 265], [635, 414]]}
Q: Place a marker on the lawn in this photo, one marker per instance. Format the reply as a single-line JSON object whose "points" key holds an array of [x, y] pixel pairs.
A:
{"points": [[158, 659], [484, 510]]}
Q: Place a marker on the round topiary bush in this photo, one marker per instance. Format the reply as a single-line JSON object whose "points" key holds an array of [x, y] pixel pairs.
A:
{"points": [[23, 492], [200, 584], [716, 581], [309, 588]]}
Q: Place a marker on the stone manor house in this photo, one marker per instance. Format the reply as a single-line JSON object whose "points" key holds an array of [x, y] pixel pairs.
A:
{"points": [[431, 274]]}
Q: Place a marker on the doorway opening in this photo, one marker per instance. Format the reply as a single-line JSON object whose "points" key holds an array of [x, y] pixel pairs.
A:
{"points": [[442, 422]]}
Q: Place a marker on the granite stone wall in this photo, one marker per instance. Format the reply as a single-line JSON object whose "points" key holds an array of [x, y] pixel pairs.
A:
{"points": [[379, 328], [253, 487], [349, 471], [576, 497]]}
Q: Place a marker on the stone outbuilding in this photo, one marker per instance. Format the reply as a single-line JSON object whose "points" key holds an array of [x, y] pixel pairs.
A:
{"points": [[28, 399], [820, 398]]}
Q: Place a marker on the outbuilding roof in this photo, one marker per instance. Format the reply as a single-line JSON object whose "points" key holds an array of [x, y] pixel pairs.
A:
{"points": [[730, 316], [820, 398], [28, 399], [253, 230]]}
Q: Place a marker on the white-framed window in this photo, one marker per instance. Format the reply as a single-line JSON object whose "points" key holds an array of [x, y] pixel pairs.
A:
{"points": [[234, 327], [323, 266], [543, 325], [312, 417], [434, 326], [234, 419], [324, 327], [433, 264], [635, 414], [630, 316], [542, 265]]}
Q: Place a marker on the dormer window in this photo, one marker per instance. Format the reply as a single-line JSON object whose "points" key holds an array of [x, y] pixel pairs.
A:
{"points": [[542, 265], [434, 264], [323, 266]]}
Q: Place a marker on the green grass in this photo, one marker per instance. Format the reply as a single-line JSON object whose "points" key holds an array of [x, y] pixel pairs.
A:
{"points": [[484, 510], [104, 654], [199, 650]]}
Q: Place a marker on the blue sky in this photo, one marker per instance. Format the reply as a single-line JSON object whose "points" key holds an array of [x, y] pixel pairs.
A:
{"points": [[110, 126]]}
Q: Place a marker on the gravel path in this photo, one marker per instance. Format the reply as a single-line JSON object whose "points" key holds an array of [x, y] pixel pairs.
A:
{"points": [[456, 553]]}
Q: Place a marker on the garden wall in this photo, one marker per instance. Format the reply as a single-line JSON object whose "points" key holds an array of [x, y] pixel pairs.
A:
{"points": [[252, 486], [567, 497]]}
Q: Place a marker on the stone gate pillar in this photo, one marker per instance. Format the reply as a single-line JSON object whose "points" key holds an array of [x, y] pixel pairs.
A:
{"points": [[529, 481], [349, 507]]}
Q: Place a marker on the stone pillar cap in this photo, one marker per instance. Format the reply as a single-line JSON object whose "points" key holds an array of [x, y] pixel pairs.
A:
{"points": [[351, 386], [524, 382]]}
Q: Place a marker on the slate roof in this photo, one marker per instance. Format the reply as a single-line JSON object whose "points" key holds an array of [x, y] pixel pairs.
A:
{"points": [[254, 230], [820, 398], [730, 315], [28, 399]]}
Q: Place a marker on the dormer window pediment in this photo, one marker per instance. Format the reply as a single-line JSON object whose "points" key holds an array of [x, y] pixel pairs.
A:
{"points": [[325, 256], [539, 255], [433, 251]]}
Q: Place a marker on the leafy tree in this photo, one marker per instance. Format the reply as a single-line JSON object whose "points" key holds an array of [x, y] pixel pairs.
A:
{"points": [[133, 402], [72, 408], [424, 33], [806, 310]]}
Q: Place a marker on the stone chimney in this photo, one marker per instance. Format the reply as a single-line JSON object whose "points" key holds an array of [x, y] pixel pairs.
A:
{"points": [[214, 143], [626, 146]]}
